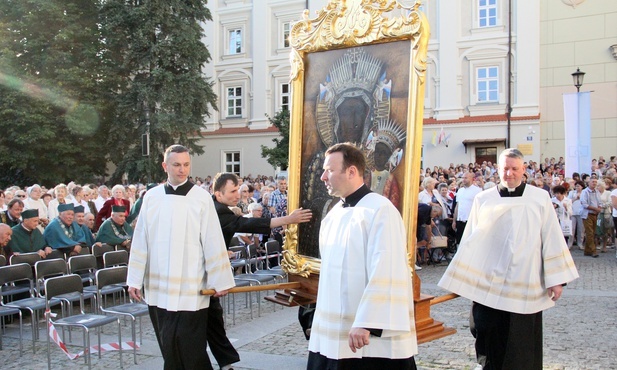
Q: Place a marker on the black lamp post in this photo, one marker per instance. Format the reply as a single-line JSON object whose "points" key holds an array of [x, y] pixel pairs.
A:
{"points": [[578, 79]]}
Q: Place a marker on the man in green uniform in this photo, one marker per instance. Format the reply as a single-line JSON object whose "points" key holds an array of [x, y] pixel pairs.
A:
{"points": [[27, 237], [115, 230]]}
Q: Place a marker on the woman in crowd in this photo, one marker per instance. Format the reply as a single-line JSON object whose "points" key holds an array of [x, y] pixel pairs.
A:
{"points": [[428, 193], [117, 199], [245, 198], [60, 191], [34, 201], [78, 197], [577, 209], [563, 207]]}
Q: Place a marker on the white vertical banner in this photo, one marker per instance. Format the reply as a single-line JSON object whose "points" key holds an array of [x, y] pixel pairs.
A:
{"points": [[577, 121]]}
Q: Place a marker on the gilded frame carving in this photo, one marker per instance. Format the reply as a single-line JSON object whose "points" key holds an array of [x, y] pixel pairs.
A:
{"points": [[341, 31]]}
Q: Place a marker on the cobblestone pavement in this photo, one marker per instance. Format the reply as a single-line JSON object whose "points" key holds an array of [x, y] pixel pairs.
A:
{"points": [[579, 332]]}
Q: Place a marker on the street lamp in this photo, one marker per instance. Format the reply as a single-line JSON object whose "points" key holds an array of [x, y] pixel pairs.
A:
{"points": [[578, 79]]}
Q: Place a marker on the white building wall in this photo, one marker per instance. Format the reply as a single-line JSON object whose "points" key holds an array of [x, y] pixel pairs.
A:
{"points": [[572, 38], [549, 40], [249, 146]]}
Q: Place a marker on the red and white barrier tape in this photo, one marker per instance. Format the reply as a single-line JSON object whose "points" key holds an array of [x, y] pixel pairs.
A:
{"points": [[53, 334]]}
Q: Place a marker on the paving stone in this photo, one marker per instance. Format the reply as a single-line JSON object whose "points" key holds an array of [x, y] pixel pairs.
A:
{"points": [[579, 332]]}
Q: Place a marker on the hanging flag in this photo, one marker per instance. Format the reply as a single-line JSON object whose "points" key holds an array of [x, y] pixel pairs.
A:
{"points": [[434, 139], [577, 121], [442, 136]]}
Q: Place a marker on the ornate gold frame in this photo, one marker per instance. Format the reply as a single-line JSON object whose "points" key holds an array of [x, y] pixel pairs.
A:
{"points": [[344, 24]]}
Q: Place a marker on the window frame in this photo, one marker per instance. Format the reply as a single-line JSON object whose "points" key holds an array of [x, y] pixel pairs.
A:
{"points": [[490, 5], [236, 30], [236, 98], [488, 79], [232, 162]]}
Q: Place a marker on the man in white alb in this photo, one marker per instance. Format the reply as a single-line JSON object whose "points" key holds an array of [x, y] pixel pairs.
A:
{"points": [[364, 317], [512, 263], [178, 250]]}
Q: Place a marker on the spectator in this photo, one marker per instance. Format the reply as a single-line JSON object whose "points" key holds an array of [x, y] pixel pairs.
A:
{"points": [[115, 230], [5, 238], [605, 220], [577, 211], [34, 201], [63, 232], [102, 198], [245, 198], [563, 209], [117, 200], [27, 238], [590, 202], [463, 200], [12, 216], [278, 206], [61, 192]]}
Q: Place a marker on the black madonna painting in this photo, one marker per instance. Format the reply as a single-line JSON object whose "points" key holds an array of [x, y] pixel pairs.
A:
{"points": [[358, 95]]}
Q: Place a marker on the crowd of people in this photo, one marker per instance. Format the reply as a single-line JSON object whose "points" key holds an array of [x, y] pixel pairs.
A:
{"points": [[586, 204], [69, 218], [449, 192]]}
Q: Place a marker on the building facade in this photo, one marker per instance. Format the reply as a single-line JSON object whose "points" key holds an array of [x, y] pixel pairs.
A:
{"points": [[496, 72]]}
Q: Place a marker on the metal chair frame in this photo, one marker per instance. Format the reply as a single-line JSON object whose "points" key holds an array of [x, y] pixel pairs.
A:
{"points": [[112, 276], [67, 284], [18, 273]]}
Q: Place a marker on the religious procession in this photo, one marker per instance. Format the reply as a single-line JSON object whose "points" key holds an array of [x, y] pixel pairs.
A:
{"points": [[430, 192]]}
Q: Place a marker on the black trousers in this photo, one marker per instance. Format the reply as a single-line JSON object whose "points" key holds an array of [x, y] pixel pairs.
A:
{"points": [[182, 338], [317, 361], [460, 227], [506, 340], [222, 349]]}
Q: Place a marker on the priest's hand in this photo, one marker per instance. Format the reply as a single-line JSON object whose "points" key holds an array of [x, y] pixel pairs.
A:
{"points": [[221, 293], [555, 292], [135, 294], [300, 215], [358, 338]]}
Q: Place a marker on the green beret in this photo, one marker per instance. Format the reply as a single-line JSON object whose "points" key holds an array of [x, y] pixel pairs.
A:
{"points": [[66, 207], [118, 209], [30, 213]]}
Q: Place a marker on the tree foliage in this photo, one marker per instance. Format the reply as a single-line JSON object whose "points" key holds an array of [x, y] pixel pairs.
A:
{"points": [[52, 110], [279, 155], [157, 51], [79, 78]]}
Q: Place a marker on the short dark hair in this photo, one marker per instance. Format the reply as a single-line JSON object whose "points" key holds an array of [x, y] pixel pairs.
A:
{"points": [[558, 189], [176, 148], [221, 178], [13, 201], [580, 182], [352, 156]]}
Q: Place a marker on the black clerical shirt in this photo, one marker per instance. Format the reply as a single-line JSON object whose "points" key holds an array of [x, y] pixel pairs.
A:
{"points": [[518, 191], [353, 198]]}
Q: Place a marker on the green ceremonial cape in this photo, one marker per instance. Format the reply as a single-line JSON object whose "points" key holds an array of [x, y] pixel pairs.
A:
{"points": [[107, 234], [24, 241], [56, 237]]}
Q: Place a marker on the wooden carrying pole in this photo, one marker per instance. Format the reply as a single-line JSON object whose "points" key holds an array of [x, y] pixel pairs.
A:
{"points": [[255, 288]]}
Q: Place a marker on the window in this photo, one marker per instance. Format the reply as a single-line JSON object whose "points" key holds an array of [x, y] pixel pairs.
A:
{"points": [[234, 102], [285, 96], [488, 84], [235, 41], [487, 13], [232, 162], [286, 29]]}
